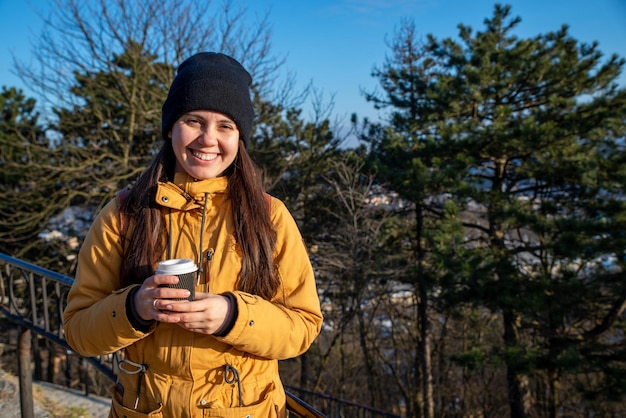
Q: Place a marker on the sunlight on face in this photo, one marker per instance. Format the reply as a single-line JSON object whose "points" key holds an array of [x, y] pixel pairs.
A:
{"points": [[205, 143]]}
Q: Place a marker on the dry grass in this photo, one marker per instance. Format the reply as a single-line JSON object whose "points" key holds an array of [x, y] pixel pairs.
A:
{"points": [[55, 409]]}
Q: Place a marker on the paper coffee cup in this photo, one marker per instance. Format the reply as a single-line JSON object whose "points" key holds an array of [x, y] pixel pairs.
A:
{"points": [[185, 269]]}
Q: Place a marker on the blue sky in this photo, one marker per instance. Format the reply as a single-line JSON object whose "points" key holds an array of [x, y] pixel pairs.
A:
{"points": [[335, 44]]}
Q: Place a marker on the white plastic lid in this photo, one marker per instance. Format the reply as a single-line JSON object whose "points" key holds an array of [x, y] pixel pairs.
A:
{"points": [[176, 266]]}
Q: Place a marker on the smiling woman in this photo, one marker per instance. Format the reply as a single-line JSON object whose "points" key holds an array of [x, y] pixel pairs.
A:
{"points": [[255, 298], [207, 112]]}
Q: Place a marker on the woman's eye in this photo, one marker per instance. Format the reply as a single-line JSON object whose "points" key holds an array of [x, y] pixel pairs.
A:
{"points": [[192, 121]]}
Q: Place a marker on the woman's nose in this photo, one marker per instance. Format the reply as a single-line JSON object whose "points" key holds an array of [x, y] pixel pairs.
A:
{"points": [[208, 136]]}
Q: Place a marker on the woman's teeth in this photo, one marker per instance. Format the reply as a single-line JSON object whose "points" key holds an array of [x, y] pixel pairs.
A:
{"points": [[203, 156]]}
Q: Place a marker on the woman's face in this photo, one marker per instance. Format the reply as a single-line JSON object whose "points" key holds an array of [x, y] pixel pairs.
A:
{"points": [[205, 143]]}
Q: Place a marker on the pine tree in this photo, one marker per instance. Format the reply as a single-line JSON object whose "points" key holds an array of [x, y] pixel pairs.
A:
{"points": [[116, 128], [525, 138], [22, 146]]}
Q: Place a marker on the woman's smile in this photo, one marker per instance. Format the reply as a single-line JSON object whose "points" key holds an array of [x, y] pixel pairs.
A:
{"points": [[203, 155]]}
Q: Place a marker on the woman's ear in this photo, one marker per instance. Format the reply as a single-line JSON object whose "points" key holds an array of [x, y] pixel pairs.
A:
{"points": [[169, 134]]}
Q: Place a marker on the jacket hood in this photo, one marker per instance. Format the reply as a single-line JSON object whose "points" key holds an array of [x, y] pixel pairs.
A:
{"points": [[186, 193]]}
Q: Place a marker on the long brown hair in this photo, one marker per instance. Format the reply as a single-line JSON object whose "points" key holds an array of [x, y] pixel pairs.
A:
{"points": [[254, 230]]}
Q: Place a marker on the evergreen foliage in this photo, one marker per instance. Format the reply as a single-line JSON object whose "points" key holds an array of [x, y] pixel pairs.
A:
{"points": [[522, 140]]}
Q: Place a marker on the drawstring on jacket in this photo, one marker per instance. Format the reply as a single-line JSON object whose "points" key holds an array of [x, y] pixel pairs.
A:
{"points": [[202, 224], [200, 265], [231, 375], [169, 244]]}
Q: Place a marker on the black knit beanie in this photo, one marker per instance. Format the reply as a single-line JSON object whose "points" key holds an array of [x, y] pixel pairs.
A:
{"points": [[210, 81]]}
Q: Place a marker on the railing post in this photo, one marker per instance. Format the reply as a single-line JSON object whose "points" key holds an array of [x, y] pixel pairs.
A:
{"points": [[25, 373], [85, 373]]}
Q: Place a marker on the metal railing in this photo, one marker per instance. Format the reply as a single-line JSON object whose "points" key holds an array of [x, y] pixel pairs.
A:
{"points": [[335, 407], [34, 298]]}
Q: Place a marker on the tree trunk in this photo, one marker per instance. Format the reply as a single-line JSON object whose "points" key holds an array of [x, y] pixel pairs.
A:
{"points": [[425, 361], [514, 380]]}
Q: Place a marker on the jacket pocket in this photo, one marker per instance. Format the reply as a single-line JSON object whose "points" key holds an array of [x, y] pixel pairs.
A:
{"points": [[258, 402], [153, 394], [120, 411]]}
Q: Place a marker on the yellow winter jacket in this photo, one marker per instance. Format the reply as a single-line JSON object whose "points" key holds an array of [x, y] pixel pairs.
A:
{"points": [[186, 374]]}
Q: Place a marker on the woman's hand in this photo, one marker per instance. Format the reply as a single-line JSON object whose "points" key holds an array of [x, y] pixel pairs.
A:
{"points": [[149, 297], [206, 314]]}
